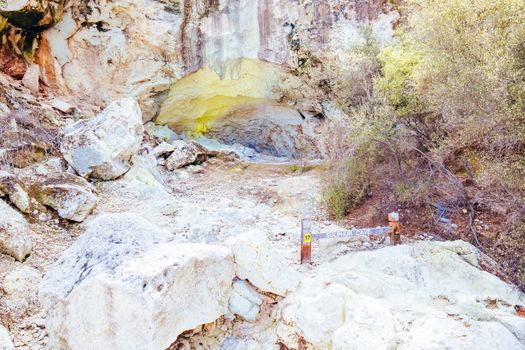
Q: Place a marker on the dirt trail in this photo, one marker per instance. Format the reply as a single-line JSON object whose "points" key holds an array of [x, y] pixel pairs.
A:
{"points": [[207, 203]]}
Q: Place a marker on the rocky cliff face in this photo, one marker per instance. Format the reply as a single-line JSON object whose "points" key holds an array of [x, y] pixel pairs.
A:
{"points": [[101, 50]]}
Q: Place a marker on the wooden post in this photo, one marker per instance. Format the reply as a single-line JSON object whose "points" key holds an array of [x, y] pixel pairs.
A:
{"points": [[306, 241], [395, 228]]}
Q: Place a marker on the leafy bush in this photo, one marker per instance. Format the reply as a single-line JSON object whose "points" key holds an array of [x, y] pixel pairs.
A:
{"points": [[346, 187]]}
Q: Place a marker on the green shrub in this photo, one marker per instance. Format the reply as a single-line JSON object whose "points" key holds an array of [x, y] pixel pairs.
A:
{"points": [[346, 187]]}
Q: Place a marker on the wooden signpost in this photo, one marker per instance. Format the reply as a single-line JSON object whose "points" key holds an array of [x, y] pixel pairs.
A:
{"points": [[307, 235]]}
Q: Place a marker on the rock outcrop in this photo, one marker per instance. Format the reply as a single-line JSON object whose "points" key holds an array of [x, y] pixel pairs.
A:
{"points": [[14, 233], [270, 129], [427, 295], [102, 146], [258, 262], [142, 47], [123, 285]]}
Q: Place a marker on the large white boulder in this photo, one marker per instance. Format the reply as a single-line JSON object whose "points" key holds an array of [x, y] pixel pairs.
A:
{"points": [[102, 146], [259, 262], [430, 295], [14, 233], [123, 285], [107, 241]]}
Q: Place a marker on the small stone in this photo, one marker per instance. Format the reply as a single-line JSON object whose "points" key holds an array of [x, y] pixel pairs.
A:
{"points": [[62, 106], [186, 153], [163, 149], [22, 283], [14, 233], [31, 78], [4, 109], [40, 323]]}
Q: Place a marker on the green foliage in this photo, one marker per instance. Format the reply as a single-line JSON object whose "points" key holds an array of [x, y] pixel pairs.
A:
{"points": [[346, 187], [396, 84], [456, 80]]}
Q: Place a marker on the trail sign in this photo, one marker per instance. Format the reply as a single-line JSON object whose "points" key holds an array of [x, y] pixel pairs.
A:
{"points": [[307, 234]]}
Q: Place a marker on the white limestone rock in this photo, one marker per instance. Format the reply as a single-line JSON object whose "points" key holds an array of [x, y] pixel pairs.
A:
{"points": [[123, 285], [186, 153], [430, 295], [5, 340], [22, 283], [107, 241], [10, 186], [102, 146], [244, 301], [258, 261], [14, 233]]}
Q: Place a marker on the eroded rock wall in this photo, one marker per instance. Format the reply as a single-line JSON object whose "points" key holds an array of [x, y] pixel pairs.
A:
{"points": [[193, 63], [106, 49]]}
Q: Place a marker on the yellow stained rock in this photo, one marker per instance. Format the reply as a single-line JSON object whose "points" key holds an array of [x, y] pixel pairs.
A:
{"points": [[200, 98]]}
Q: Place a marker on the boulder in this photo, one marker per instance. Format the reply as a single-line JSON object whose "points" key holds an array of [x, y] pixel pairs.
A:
{"points": [[186, 153], [10, 186], [21, 284], [123, 285], [5, 340], [71, 196], [14, 233], [102, 147], [257, 261], [108, 239], [244, 301], [430, 295]]}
